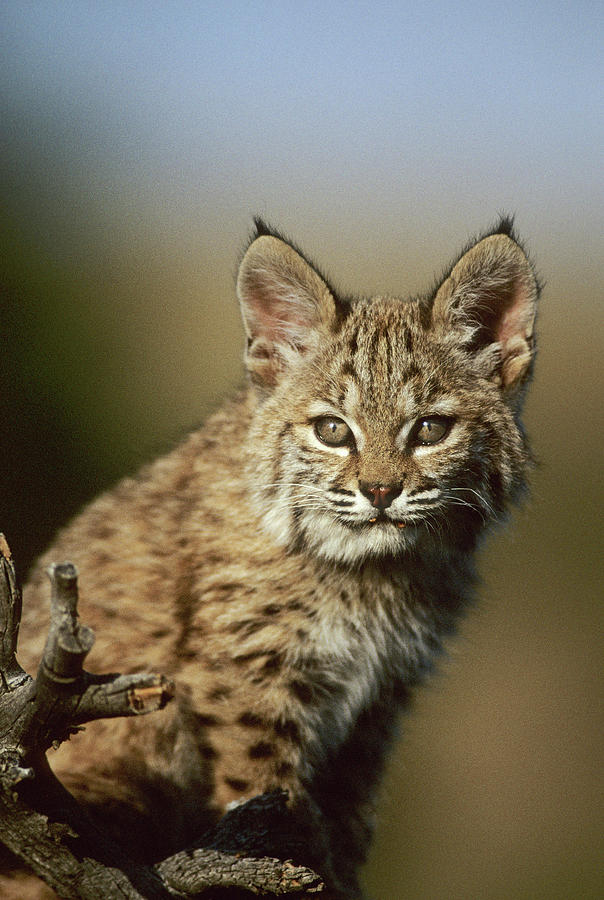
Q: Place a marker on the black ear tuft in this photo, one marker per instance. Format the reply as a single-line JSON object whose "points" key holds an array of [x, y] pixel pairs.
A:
{"points": [[262, 228], [505, 225]]}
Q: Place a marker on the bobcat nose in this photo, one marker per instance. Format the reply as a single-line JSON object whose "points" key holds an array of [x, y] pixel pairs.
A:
{"points": [[381, 495]]}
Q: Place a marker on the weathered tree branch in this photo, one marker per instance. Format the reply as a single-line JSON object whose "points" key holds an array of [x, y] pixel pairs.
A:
{"points": [[42, 824]]}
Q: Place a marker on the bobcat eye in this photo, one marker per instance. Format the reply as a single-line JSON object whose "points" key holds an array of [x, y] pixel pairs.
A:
{"points": [[333, 431], [431, 430]]}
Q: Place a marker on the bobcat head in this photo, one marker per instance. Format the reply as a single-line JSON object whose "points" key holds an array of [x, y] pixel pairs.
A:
{"points": [[385, 424]]}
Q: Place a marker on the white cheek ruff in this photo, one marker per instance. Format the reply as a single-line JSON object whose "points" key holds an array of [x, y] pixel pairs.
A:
{"points": [[335, 542], [323, 535], [276, 522]]}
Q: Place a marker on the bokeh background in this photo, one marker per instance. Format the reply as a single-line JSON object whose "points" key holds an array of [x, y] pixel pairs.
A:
{"points": [[139, 138]]}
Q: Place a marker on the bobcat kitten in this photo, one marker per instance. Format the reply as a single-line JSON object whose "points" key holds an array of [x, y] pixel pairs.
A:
{"points": [[296, 564]]}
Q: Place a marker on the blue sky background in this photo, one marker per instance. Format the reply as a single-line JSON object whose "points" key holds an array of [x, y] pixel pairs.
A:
{"points": [[138, 139], [376, 109]]}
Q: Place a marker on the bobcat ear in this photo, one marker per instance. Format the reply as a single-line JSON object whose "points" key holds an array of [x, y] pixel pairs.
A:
{"points": [[285, 305], [489, 302]]}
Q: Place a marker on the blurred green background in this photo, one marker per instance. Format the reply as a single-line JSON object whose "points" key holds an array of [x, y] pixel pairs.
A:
{"points": [[139, 138]]}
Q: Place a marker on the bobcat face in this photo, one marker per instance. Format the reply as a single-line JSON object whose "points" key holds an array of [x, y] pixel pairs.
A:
{"points": [[385, 424], [382, 439]]}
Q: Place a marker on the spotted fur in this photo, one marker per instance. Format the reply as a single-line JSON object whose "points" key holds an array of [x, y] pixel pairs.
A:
{"points": [[253, 565]]}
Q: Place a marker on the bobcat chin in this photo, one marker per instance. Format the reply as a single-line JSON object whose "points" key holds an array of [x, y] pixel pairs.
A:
{"points": [[296, 564]]}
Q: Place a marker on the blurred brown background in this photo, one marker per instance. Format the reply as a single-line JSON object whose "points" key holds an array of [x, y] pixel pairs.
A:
{"points": [[138, 141]]}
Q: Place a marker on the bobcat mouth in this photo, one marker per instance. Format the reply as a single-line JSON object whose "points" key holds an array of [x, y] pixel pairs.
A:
{"points": [[385, 520]]}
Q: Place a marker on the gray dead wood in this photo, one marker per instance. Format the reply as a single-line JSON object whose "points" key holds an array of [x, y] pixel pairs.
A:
{"points": [[43, 825]]}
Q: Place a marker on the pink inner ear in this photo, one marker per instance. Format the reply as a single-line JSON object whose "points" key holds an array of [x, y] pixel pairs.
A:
{"points": [[516, 318], [280, 311], [281, 321]]}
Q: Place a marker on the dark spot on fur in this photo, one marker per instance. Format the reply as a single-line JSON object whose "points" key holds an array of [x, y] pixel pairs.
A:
{"points": [[250, 720], [284, 769], [348, 370], [232, 586], [207, 720], [301, 634], [411, 372], [230, 590], [288, 729], [220, 692], [373, 342], [302, 690], [160, 632], [209, 752], [273, 663], [303, 456], [237, 784], [296, 606], [212, 559], [247, 627], [182, 483], [184, 608], [261, 750], [272, 609], [243, 658], [254, 628], [213, 665]]}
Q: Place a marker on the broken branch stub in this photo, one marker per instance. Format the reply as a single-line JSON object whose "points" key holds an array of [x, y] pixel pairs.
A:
{"points": [[68, 642]]}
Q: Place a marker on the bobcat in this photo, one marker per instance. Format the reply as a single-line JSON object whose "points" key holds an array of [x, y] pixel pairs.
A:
{"points": [[296, 564]]}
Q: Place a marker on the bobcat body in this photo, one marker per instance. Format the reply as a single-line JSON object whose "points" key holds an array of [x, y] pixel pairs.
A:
{"points": [[296, 564]]}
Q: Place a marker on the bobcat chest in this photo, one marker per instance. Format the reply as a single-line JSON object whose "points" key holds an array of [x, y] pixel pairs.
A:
{"points": [[348, 656]]}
